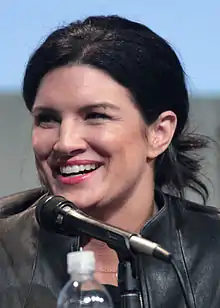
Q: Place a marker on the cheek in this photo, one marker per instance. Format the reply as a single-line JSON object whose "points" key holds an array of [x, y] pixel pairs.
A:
{"points": [[120, 143], [42, 142]]}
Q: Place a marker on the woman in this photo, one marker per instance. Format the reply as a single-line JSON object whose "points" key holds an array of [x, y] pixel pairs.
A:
{"points": [[110, 108]]}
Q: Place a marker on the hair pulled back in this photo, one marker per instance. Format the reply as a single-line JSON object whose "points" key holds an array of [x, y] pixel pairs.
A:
{"points": [[144, 63]]}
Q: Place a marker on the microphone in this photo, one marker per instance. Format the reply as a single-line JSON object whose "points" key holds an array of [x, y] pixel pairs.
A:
{"points": [[56, 214]]}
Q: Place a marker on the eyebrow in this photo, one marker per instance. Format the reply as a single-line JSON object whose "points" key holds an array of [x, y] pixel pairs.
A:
{"points": [[39, 109], [104, 105]]}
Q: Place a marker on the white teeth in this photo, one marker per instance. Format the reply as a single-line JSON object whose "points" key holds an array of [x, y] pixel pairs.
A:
{"points": [[77, 168], [81, 168]]}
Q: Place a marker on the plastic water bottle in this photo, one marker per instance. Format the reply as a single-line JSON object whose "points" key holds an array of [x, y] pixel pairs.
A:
{"points": [[82, 290]]}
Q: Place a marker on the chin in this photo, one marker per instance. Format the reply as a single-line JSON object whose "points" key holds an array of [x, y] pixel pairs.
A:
{"points": [[81, 199], [80, 203]]}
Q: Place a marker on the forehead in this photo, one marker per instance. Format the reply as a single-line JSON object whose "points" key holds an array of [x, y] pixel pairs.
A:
{"points": [[80, 84]]}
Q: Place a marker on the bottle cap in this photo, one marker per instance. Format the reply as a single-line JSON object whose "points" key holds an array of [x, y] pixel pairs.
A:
{"points": [[80, 261]]}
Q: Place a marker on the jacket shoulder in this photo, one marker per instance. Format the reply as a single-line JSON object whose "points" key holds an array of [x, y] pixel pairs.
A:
{"points": [[190, 206], [202, 221], [18, 202], [204, 218], [206, 209]]}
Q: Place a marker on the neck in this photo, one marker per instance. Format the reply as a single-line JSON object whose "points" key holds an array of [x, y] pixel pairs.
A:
{"points": [[106, 258], [106, 262]]}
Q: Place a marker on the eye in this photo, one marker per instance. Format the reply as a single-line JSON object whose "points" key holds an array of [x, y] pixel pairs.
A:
{"points": [[46, 119], [96, 116]]}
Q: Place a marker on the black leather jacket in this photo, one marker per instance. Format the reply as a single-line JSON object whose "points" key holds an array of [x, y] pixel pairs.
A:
{"points": [[33, 261]]}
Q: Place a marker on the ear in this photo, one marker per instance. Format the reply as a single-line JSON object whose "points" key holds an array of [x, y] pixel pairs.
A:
{"points": [[160, 134]]}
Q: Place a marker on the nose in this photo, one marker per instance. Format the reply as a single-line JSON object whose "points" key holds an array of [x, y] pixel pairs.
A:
{"points": [[70, 139]]}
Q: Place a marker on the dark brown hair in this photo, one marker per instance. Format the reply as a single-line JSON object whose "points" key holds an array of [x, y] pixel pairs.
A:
{"points": [[144, 63]]}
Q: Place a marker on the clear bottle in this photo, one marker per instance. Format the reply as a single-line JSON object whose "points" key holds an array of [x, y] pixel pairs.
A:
{"points": [[82, 290]]}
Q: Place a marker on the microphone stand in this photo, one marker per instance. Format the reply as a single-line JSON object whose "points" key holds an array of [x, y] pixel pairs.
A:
{"points": [[128, 283]]}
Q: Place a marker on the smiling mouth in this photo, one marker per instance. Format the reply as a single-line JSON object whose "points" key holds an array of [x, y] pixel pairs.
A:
{"points": [[76, 170]]}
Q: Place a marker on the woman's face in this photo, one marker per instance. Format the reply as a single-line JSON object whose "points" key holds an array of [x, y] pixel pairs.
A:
{"points": [[89, 139]]}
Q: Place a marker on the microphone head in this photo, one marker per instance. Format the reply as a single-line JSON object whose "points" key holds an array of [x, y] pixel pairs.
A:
{"points": [[40, 204], [48, 211]]}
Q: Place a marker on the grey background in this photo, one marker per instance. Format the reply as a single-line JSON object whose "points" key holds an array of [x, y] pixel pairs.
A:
{"points": [[16, 157]]}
